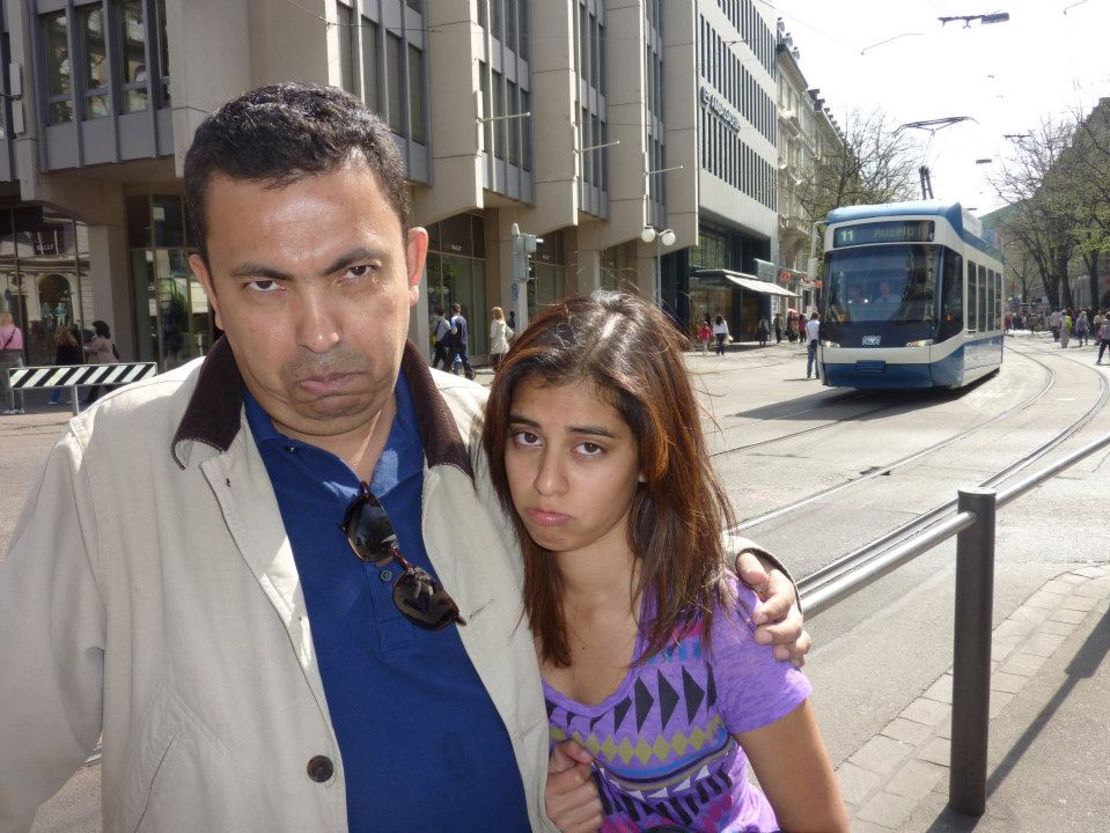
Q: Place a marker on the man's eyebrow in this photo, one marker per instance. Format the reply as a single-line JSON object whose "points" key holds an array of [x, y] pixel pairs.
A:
{"points": [[352, 256], [250, 269]]}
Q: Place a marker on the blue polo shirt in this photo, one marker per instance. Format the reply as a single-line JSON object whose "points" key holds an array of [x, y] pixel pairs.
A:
{"points": [[423, 746]]}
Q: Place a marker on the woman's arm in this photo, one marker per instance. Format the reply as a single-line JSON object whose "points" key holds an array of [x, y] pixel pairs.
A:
{"points": [[794, 770]]}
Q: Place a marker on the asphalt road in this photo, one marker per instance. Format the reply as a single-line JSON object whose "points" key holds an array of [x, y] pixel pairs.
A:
{"points": [[779, 441]]}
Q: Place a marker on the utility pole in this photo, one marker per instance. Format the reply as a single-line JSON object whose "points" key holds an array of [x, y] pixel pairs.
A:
{"points": [[524, 246]]}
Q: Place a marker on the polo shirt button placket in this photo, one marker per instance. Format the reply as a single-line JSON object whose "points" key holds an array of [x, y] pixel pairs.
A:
{"points": [[321, 769]]}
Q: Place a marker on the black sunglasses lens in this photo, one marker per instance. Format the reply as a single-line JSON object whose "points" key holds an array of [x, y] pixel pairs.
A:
{"points": [[368, 529], [424, 601]]}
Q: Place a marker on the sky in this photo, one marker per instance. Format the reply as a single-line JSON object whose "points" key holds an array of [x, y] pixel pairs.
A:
{"points": [[1009, 77]]}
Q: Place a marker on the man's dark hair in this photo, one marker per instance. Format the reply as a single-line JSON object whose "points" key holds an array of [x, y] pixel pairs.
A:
{"points": [[285, 132]]}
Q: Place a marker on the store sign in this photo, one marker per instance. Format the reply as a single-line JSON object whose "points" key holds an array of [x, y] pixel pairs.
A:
{"points": [[719, 108]]}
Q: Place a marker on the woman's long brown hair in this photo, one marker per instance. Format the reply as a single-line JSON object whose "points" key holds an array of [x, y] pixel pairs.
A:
{"points": [[632, 354]]}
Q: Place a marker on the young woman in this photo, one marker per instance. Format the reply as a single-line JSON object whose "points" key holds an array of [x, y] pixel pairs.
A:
{"points": [[596, 452], [68, 350], [499, 335], [720, 331]]}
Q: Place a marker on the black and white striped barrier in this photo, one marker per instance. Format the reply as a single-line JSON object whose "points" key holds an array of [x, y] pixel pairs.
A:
{"points": [[79, 375]]}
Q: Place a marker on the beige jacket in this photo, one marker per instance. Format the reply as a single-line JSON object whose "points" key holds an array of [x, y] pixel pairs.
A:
{"points": [[150, 594]]}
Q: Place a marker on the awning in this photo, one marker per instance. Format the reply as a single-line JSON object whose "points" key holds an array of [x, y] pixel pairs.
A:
{"points": [[766, 287]]}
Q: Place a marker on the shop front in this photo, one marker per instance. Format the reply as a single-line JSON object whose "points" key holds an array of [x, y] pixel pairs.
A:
{"points": [[44, 277], [456, 274], [173, 323]]}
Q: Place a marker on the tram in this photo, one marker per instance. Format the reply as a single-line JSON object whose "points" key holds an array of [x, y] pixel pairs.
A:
{"points": [[912, 297]]}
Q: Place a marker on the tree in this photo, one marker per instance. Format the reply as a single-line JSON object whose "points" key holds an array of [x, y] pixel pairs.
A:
{"points": [[1089, 162], [873, 164], [1039, 184]]}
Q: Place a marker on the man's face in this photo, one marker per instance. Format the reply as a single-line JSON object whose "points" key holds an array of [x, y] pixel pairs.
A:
{"points": [[312, 283]]}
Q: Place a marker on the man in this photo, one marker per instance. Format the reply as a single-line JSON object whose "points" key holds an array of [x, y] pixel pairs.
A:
{"points": [[460, 336], [886, 302], [275, 579], [813, 336], [441, 335]]}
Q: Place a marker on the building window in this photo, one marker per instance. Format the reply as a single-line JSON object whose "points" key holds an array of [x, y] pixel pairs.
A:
{"points": [[132, 39], [345, 16], [370, 55], [394, 67], [56, 49], [163, 51], [498, 110], [524, 24], [526, 129], [416, 95], [94, 58], [514, 128]]}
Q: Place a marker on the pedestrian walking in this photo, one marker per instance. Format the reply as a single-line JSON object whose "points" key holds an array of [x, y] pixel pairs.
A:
{"points": [[460, 338], [1103, 339], [100, 350], [763, 331], [1066, 325], [227, 571], [441, 341], [812, 336], [705, 334], [630, 598], [777, 324], [67, 351], [11, 356], [499, 335], [720, 333], [1054, 322], [1081, 329]]}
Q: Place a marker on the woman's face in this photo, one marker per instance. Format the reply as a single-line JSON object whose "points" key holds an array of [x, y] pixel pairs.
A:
{"points": [[573, 468]]}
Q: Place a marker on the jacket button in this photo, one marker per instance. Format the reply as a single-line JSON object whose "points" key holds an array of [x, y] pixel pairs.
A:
{"points": [[320, 769]]}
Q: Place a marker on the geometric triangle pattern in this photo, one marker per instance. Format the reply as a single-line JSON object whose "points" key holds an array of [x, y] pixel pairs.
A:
{"points": [[663, 754]]}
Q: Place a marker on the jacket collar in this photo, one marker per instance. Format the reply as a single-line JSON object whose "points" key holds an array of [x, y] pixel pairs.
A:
{"points": [[214, 413]]}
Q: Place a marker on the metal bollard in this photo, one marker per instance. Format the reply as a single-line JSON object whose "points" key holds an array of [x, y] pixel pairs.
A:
{"points": [[971, 664]]}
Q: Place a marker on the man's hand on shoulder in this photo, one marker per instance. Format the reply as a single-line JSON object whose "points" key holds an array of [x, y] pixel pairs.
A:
{"points": [[778, 617]]}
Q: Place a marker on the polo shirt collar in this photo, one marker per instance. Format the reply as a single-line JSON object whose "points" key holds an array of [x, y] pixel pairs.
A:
{"points": [[214, 413]]}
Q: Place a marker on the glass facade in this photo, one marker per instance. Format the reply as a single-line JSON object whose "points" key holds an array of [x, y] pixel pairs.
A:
{"points": [[173, 323], [44, 277], [456, 273]]}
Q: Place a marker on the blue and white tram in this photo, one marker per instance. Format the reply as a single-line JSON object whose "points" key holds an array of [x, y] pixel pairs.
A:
{"points": [[912, 297]]}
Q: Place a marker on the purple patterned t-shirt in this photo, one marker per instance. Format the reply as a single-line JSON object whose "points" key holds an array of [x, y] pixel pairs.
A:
{"points": [[663, 742]]}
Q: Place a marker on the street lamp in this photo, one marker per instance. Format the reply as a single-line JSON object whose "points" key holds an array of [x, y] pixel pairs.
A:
{"points": [[661, 238]]}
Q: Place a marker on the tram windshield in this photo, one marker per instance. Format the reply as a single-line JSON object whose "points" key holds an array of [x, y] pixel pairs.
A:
{"points": [[882, 283]]}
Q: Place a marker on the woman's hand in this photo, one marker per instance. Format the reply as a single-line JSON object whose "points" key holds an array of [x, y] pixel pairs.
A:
{"points": [[570, 799]]}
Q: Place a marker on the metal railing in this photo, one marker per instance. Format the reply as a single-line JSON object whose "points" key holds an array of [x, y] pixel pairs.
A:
{"points": [[974, 524]]}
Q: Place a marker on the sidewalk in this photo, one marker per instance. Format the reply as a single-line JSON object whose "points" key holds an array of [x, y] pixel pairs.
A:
{"points": [[1049, 735]]}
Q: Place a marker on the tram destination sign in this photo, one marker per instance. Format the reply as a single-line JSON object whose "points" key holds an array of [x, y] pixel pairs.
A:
{"points": [[889, 231]]}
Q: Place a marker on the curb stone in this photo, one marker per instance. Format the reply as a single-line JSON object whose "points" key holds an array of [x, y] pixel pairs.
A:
{"points": [[886, 779]]}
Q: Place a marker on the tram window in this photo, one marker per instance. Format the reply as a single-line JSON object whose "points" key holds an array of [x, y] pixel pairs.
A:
{"points": [[998, 297], [972, 295], [981, 299], [990, 299], [952, 297]]}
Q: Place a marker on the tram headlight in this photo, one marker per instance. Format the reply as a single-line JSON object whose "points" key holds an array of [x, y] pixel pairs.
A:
{"points": [[830, 343], [924, 342]]}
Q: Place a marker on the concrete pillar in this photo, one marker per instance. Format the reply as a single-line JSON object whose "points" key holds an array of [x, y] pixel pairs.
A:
{"points": [[588, 271], [111, 289], [645, 272]]}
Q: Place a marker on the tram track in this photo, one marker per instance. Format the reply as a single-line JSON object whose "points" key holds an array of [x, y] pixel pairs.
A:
{"points": [[862, 556], [886, 469]]}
